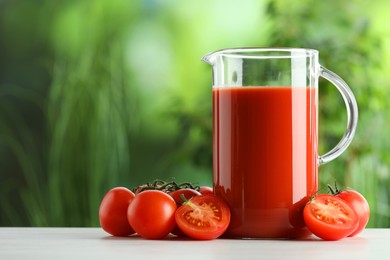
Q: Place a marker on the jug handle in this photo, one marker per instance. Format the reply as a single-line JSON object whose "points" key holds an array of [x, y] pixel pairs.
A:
{"points": [[352, 115]]}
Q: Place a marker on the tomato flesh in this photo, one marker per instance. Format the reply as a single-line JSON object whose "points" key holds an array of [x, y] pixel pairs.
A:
{"points": [[329, 217], [204, 217]]}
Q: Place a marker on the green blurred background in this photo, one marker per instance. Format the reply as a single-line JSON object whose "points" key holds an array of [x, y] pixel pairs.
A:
{"points": [[96, 94]]}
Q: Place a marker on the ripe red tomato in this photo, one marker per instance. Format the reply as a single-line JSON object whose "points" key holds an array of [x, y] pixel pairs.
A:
{"points": [[329, 217], [295, 213], [176, 195], [113, 212], [204, 217], [152, 214], [359, 204], [187, 193], [206, 190]]}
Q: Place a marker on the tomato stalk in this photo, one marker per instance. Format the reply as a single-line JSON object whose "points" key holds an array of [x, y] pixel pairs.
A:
{"points": [[185, 200], [165, 186], [335, 190]]}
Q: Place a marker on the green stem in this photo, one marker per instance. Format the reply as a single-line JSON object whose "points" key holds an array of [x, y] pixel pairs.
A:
{"points": [[331, 189]]}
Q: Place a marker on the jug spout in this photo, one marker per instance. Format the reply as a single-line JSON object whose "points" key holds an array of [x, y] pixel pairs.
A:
{"points": [[209, 58]]}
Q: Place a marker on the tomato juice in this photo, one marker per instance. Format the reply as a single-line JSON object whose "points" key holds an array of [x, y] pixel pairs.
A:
{"points": [[265, 159]]}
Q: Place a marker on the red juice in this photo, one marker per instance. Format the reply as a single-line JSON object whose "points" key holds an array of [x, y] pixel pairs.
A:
{"points": [[265, 158]]}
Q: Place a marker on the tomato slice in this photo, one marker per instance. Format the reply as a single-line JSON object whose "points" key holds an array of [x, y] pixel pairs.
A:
{"points": [[329, 217], [204, 217]]}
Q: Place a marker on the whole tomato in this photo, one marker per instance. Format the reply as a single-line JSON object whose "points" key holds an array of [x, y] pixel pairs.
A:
{"points": [[152, 214], [295, 213], [113, 212], [177, 196], [206, 190], [187, 193], [359, 204]]}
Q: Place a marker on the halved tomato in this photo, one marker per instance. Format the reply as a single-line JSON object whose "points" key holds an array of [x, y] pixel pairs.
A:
{"points": [[329, 217], [203, 217]]}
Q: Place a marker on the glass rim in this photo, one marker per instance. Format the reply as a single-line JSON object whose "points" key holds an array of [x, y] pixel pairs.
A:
{"points": [[264, 53]]}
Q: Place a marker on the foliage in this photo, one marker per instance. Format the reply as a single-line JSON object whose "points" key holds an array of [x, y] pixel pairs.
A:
{"points": [[96, 94], [349, 46]]}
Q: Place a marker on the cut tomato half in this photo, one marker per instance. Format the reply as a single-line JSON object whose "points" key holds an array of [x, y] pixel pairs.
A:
{"points": [[203, 217], [329, 217]]}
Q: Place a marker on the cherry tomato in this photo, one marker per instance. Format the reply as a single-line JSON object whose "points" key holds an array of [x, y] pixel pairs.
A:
{"points": [[187, 193], [176, 195], [359, 204], [206, 190], [113, 212], [204, 217], [329, 217], [152, 214], [295, 213]]}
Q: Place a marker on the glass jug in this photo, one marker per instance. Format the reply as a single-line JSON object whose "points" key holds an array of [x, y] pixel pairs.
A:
{"points": [[265, 136]]}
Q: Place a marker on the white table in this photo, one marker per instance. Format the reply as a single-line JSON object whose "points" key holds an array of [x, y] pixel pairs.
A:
{"points": [[94, 243]]}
